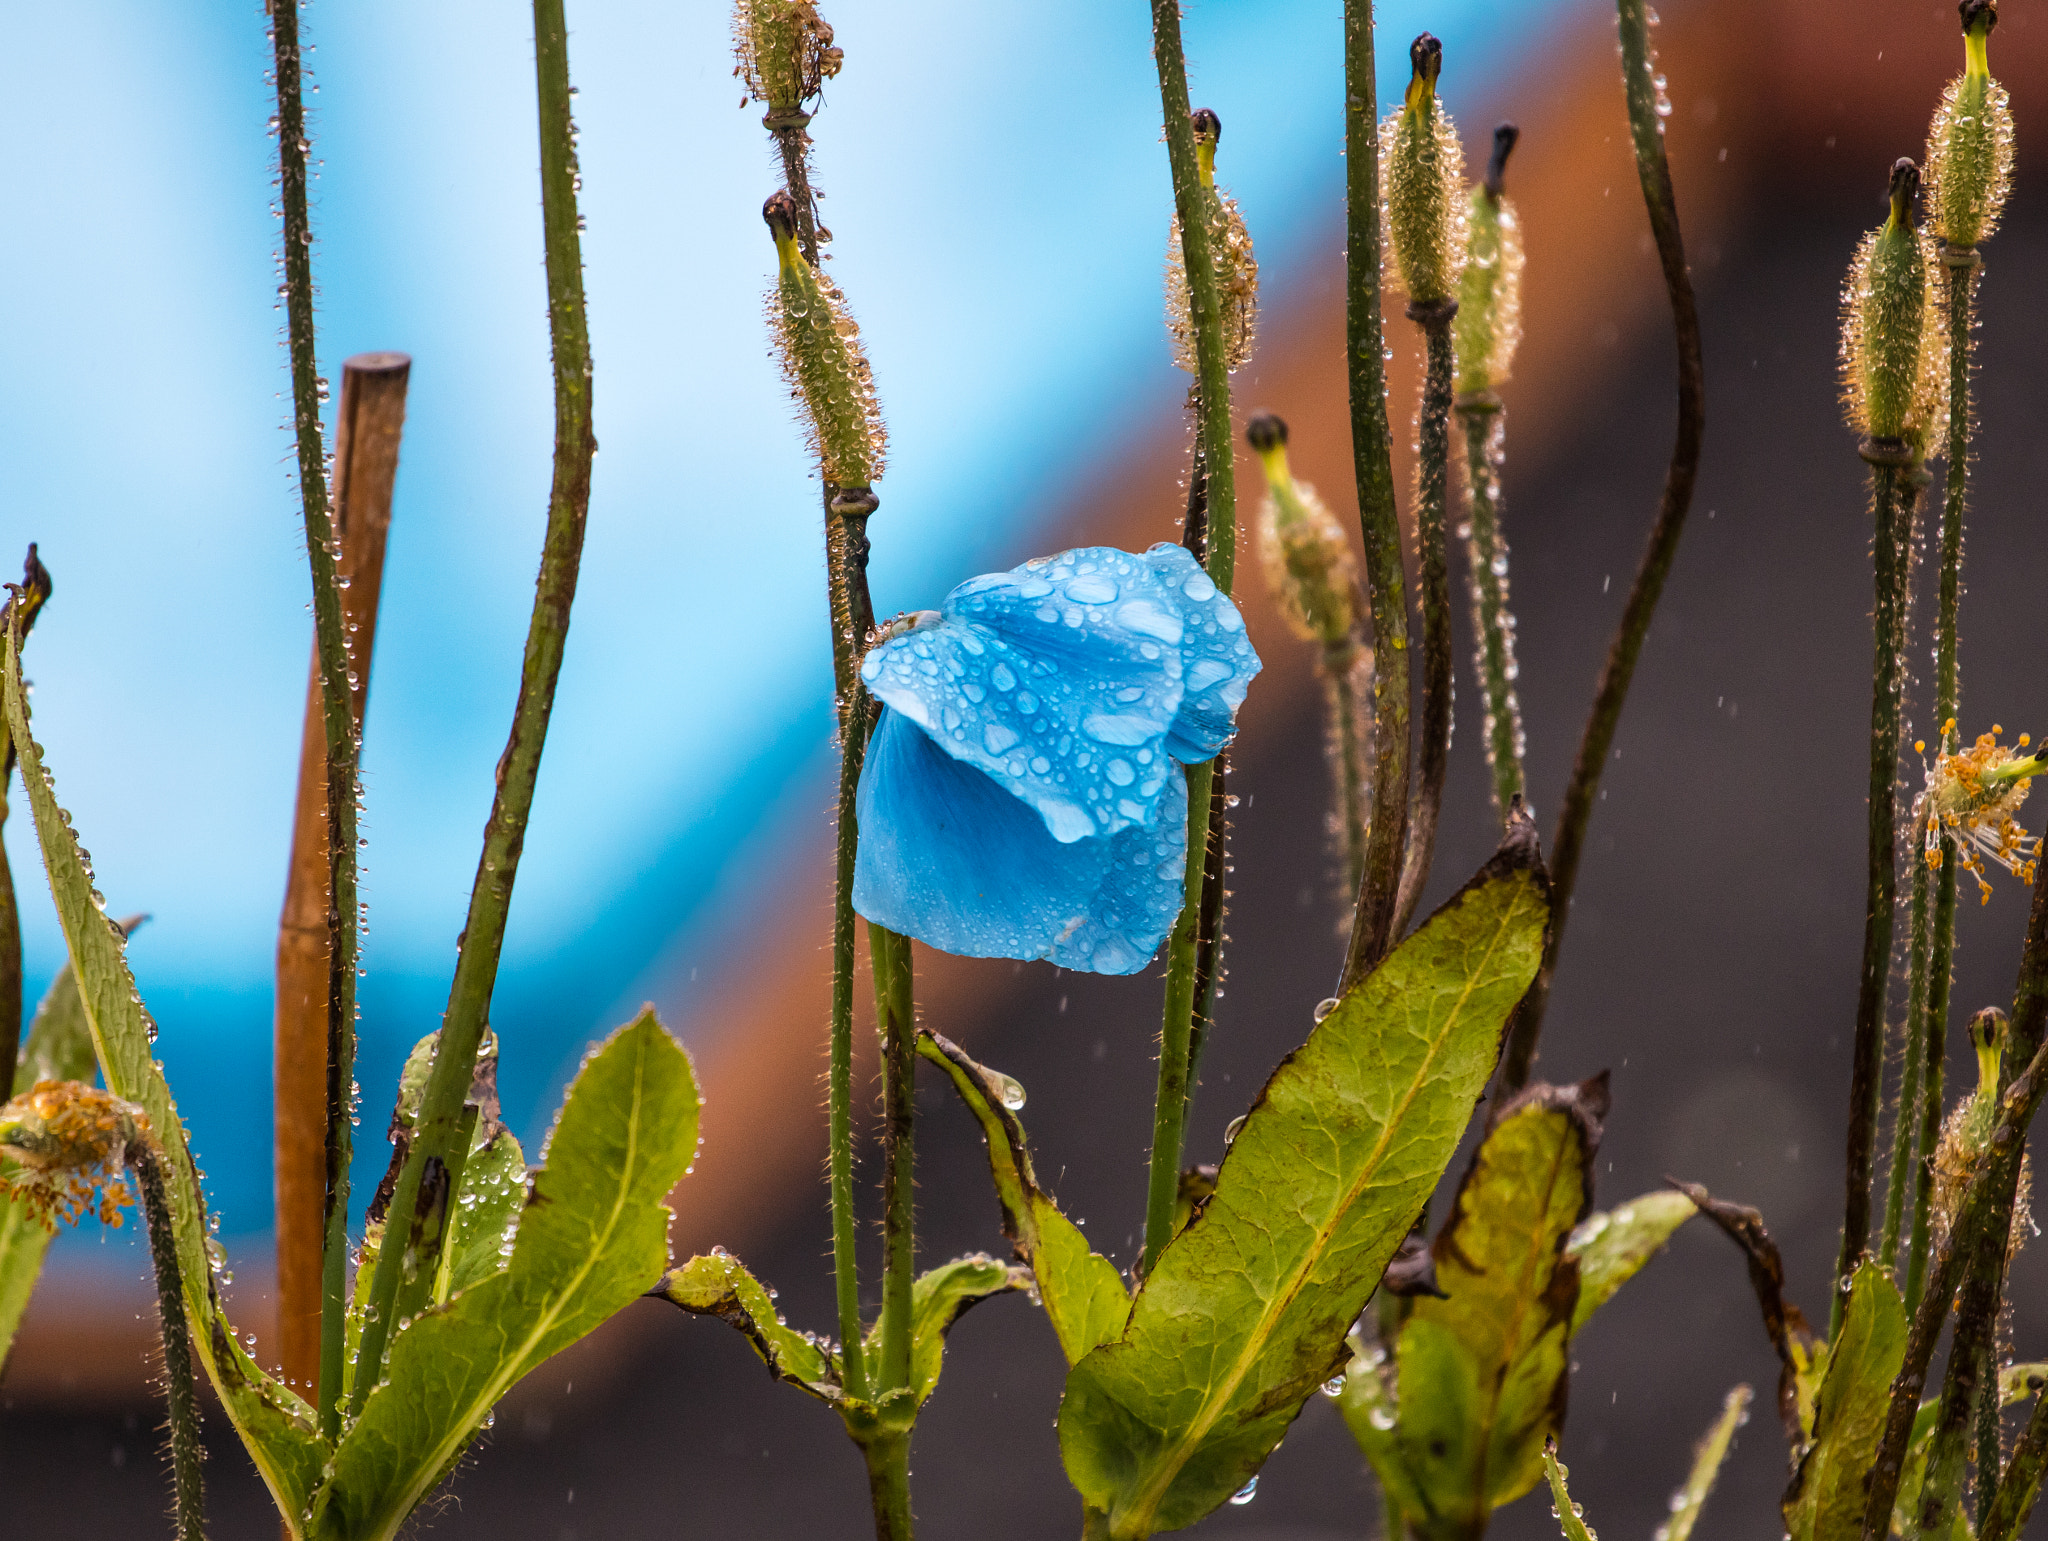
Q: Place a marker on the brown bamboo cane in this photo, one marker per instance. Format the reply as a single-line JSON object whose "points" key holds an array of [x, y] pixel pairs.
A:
{"points": [[367, 429]]}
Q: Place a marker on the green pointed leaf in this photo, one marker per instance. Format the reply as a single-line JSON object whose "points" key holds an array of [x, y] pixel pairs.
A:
{"points": [[718, 1284], [1569, 1518], [486, 1212], [591, 1240], [1614, 1245], [937, 1300], [23, 1241], [1082, 1292], [1246, 1311], [1707, 1457], [1825, 1501], [276, 1426], [1495, 1348], [1368, 1405]]}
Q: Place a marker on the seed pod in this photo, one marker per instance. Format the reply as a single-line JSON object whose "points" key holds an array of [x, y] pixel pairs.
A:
{"points": [[823, 362], [1884, 307], [1307, 558], [1970, 142], [1422, 169], [1488, 326], [783, 50], [1230, 252]]}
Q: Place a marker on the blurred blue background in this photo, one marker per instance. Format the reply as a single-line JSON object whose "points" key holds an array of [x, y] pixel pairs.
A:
{"points": [[1000, 199]]}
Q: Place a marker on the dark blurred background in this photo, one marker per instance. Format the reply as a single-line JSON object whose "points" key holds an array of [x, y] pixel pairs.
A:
{"points": [[1711, 961]]}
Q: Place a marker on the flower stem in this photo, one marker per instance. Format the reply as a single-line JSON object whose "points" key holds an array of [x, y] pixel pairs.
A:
{"points": [[1933, 1053], [1219, 536], [439, 1133], [1209, 920], [1485, 424], [180, 1386], [888, 1458], [1432, 486], [1905, 1174], [1340, 668], [889, 955], [1653, 171], [332, 651], [2013, 1502], [1372, 469], [1892, 498]]}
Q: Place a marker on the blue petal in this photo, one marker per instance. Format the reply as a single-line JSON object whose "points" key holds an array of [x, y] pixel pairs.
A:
{"points": [[1216, 657], [948, 856]]}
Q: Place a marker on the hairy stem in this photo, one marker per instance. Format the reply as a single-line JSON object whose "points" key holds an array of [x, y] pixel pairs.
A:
{"points": [[1653, 171], [794, 145], [1486, 545], [2013, 1503], [332, 651], [1340, 668], [1904, 1175], [1892, 499], [1372, 923], [1432, 493], [889, 954], [439, 1133], [1933, 1057], [181, 1388], [1170, 1107], [1209, 920], [888, 1458]]}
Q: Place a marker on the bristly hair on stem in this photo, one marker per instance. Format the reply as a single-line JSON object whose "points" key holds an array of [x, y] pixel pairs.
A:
{"points": [[28, 600], [440, 1132], [1653, 171], [323, 549]]}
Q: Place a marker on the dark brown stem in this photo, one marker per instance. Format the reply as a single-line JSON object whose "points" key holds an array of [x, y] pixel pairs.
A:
{"points": [[1209, 924], [2014, 1501], [794, 143], [1653, 171], [181, 1388]]}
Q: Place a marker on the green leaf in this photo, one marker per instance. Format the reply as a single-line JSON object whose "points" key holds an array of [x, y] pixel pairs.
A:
{"points": [[1707, 1457], [23, 1241], [1825, 1501], [1613, 1246], [1494, 1351], [1369, 1408], [1570, 1519], [1245, 1313], [718, 1284], [276, 1426], [1082, 1292], [592, 1239], [937, 1300]]}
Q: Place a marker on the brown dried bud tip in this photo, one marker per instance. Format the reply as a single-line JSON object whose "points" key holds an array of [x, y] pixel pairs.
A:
{"points": [[1426, 57], [1504, 140], [780, 213], [1265, 432], [1974, 12], [1905, 184], [1207, 125]]}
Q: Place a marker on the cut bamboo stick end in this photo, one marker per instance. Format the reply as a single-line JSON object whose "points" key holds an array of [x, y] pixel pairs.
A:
{"points": [[367, 430]]}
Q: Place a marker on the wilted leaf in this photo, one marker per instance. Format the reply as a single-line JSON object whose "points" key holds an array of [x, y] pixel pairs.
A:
{"points": [[1493, 1350], [592, 1239], [1082, 1292], [718, 1284], [1826, 1499], [1246, 1311], [275, 1425], [1613, 1245]]}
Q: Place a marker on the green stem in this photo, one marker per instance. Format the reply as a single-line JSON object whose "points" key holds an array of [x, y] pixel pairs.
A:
{"points": [[1990, 1416], [1933, 1065], [1486, 546], [438, 1132], [1372, 469], [1209, 921], [1170, 1107], [181, 1387], [1905, 1123], [889, 956], [1339, 667], [2014, 1501], [331, 647], [1432, 487], [888, 1458], [1892, 501], [1653, 171]]}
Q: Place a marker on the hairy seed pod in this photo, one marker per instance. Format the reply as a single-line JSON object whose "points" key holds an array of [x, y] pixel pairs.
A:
{"points": [[1966, 1135], [1970, 141], [1422, 169], [783, 50], [1488, 326], [1230, 251], [1306, 555], [1884, 307], [823, 362]]}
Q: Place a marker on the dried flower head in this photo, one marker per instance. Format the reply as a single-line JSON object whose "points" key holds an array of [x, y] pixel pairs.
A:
{"points": [[823, 361], [1422, 170], [1488, 326], [1230, 254], [1970, 141], [1885, 306], [1306, 554], [783, 52], [68, 1145], [1972, 797]]}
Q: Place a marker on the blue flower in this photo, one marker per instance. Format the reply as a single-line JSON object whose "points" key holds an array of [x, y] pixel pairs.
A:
{"points": [[1023, 796]]}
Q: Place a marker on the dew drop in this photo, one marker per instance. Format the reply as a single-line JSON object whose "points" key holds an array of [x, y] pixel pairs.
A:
{"points": [[1247, 1493]]}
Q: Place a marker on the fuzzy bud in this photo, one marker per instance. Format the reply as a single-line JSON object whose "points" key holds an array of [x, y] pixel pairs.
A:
{"points": [[784, 52], [1488, 326], [1884, 320], [1230, 251], [1970, 141], [823, 362], [1308, 562], [1422, 170]]}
